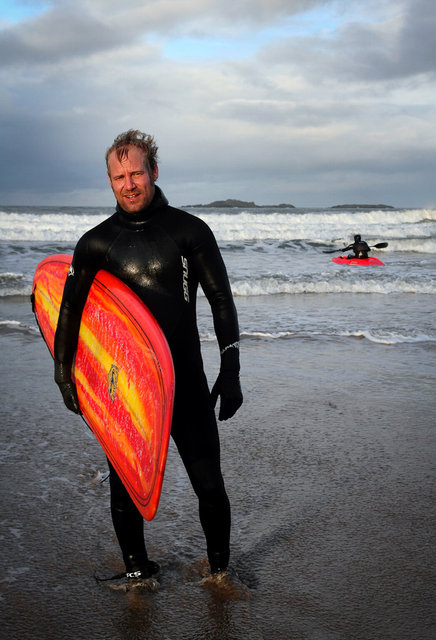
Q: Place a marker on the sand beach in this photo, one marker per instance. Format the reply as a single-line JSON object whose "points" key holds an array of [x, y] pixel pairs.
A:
{"points": [[330, 472]]}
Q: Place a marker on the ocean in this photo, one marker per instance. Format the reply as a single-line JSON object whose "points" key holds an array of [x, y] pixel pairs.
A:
{"points": [[275, 255], [329, 464]]}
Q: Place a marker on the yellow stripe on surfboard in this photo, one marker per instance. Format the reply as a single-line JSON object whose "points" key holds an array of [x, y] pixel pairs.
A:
{"points": [[50, 305], [131, 397]]}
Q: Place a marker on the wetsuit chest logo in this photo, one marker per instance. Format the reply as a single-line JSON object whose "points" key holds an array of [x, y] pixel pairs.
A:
{"points": [[185, 279]]}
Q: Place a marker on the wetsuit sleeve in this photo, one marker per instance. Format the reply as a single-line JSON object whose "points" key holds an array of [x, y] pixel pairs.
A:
{"points": [[77, 285], [214, 281]]}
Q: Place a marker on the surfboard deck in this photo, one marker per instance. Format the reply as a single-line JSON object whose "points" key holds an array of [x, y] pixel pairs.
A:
{"points": [[123, 372], [360, 262]]}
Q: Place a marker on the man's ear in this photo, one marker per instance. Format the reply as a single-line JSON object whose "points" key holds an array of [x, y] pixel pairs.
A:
{"points": [[155, 173]]}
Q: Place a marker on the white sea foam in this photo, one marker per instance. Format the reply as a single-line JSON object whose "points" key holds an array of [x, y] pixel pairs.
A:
{"points": [[322, 227], [25, 290], [268, 335], [389, 338], [316, 226], [49, 227], [16, 325], [10, 276], [22, 291], [418, 244], [274, 286], [279, 286], [14, 284]]}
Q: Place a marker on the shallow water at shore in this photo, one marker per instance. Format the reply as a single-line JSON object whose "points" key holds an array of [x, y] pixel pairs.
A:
{"points": [[329, 467]]}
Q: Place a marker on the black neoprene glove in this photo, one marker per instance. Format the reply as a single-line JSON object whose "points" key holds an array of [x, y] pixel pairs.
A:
{"points": [[62, 376], [228, 387]]}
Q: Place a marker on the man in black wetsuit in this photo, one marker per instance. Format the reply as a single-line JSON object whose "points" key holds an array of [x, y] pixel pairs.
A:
{"points": [[359, 248], [162, 254]]}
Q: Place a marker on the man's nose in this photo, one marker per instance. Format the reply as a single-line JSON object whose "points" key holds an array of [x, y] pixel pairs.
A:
{"points": [[130, 183]]}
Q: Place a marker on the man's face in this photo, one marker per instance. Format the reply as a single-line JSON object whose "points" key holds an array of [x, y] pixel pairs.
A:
{"points": [[132, 180]]}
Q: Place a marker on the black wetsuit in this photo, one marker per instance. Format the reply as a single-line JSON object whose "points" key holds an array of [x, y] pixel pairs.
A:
{"points": [[360, 249], [163, 254]]}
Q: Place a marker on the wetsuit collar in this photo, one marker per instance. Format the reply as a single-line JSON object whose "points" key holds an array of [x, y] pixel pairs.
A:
{"points": [[136, 220]]}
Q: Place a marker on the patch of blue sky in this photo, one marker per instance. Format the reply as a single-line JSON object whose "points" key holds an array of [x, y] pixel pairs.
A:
{"points": [[209, 48], [14, 11], [246, 41]]}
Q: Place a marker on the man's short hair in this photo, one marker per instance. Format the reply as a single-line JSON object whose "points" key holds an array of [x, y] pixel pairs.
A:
{"points": [[134, 138]]}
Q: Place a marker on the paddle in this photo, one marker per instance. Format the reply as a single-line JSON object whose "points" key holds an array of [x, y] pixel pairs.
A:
{"points": [[380, 245]]}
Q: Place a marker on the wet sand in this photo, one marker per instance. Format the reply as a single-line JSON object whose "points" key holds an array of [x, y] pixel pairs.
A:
{"points": [[330, 472]]}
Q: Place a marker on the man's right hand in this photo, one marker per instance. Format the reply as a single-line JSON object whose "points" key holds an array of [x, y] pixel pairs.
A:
{"points": [[62, 376]]}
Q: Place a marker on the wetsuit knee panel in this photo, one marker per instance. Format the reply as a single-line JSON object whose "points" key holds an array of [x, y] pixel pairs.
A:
{"points": [[207, 479]]}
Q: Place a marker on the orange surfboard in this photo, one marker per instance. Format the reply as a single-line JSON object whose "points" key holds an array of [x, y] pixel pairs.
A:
{"points": [[124, 375]]}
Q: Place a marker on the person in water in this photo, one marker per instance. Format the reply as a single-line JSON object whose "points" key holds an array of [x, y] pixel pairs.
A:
{"points": [[163, 254], [359, 248]]}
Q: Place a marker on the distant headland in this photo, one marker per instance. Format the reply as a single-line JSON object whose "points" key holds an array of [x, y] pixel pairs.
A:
{"points": [[241, 204]]}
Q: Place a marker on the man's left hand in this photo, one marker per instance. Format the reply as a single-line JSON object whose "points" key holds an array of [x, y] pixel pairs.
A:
{"points": [[228, 387]]}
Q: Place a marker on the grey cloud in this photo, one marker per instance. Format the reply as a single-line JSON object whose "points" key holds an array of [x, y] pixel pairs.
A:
{"points": [[417, 45], [299, 176], [261, 11], [381, 54], [197, 15], [47, 154], [83, 28], [55, 35], [290, 113], [362, 52]]}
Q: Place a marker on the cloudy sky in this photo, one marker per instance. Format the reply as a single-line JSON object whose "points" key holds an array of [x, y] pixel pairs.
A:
{"points": [[309, 102]]}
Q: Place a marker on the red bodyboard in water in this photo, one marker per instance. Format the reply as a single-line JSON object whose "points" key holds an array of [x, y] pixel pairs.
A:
{"points": [[360, 262]]}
